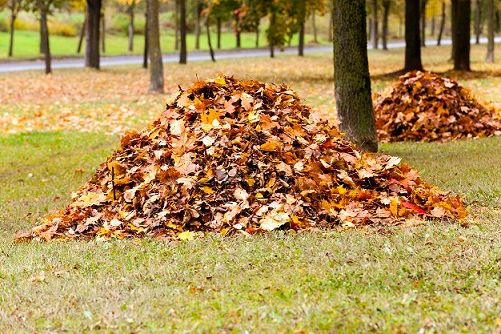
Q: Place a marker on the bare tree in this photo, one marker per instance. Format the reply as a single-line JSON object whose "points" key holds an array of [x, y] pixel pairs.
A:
{"points": [[156, 65], [491, 18]]}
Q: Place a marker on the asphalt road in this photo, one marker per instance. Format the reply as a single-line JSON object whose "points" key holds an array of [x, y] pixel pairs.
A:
{"points": [[33, 65]]}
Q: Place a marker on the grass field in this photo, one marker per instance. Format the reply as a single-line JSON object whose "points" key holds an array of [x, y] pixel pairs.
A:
{"points": [[27, 44], [432, 278]]}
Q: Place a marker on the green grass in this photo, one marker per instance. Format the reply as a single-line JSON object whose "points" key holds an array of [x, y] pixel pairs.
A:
{"points": [[26, 43], [442, 278]]}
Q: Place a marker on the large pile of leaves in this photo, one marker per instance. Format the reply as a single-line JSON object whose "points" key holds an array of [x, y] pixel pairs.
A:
{"points": [[241, 157], [423, 106]]}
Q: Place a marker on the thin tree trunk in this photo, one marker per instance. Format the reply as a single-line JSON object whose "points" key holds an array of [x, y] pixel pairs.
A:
{"points": [[92, 34], [11, 32], [301, 36], [176, 24], [462, 35], [272, 24], [238, 38], [272, 51], [386, 14], [257, 34], [423, 22], [183, 54], [314, 26], [145, 50], [478, 16], [156, 64], [331, 21], [218, 32], [44, 34], [442, 24], [351, 74], [412, 36], [433, 25], [82, 35], [374, 23], [209, 41], [103, 32], [197, 25], [131, 27], [490, 31]]}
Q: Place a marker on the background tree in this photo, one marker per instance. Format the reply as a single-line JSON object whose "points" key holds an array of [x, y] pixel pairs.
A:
{"points": [[374, 24], [15, 6], [461, 34], [43, 7], [156, 65], [491, 17], [442, 23], [92, 33], [423, 21], [183, 53], [351, 74], [386, 16], [412, 38]]}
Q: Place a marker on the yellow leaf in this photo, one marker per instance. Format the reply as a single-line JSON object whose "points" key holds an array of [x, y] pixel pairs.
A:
{"points": [[208, 190], [210, 119], [220, 81], [271, 146], [394, 207], [187, 235]]}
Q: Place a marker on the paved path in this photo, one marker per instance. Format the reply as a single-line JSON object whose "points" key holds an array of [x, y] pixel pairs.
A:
{"points": [[30, 65]]}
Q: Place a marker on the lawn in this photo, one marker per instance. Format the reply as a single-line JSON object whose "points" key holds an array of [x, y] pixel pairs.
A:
{"points": [[431, 278], [27, 44]]}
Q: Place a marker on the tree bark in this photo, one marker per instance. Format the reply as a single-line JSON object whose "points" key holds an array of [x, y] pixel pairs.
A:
{"points": [[11, 32], [461, 39], [490, 31], [103, 33], [314, 26], [82, 35], [209, 41], [131, 28], [374, 23], [453, 27], [351, 74], [386, 14], [92, 34], [44, 34], [478, 21], [412, 38], [156, 64], [442, 24], [423, 22], [197, 25], [183, 53], [218, 32], [145, 50], [176, 25], [301, 34]]}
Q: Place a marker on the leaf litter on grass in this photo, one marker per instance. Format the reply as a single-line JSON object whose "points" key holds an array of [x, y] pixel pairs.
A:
{"points": [[423, 106], [241, 156]]}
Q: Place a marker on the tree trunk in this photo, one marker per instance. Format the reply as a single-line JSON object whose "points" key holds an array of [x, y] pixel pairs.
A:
{"points": [[183, 54], [453, 27], [11, 32], [131, 27], [412, 38], [176, 25], [423, 22], [197, 25], [82, 35], [301, 36], [314, 26], [272, 51], [145, 50], [462, 35], [433, 23], [257, 34], [386, 14], [374, 23], [331, 21], [156, 64], [442, 24], [478, 21], [490, 31], [209, 41], [44, 34], [351, 74], [239, 39], [103, 33], [92, 34], [218, 28]]}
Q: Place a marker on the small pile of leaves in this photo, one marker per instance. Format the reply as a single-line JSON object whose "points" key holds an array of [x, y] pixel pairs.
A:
{"points": [[237, 156], [423, 106]]}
